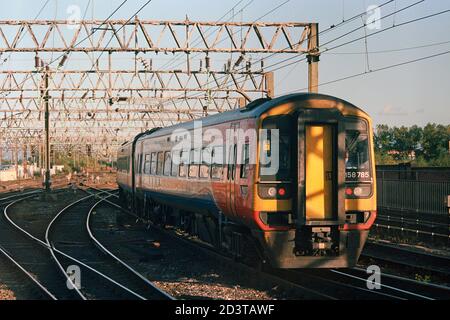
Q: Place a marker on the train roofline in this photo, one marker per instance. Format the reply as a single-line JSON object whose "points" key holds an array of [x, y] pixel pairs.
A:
{"points": [[244, 113]]}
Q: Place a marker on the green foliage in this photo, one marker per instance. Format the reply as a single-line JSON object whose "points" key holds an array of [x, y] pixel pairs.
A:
{"points": [[423, 278], [427, 146]]}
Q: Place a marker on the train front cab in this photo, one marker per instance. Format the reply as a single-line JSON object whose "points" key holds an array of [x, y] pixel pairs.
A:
{"points": [[324, 191]]}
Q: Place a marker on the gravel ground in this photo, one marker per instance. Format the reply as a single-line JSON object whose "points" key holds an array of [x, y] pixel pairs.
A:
{"points": [[6, 294], [174, 268]]}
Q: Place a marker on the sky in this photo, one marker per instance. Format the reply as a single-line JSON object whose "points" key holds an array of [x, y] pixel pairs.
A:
{"points": [[416, 93]]}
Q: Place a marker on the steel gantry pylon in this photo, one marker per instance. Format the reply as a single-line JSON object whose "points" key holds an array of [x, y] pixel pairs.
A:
{"points": [[109, 81]]}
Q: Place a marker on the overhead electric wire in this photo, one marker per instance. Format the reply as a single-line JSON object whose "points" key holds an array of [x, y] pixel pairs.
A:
{"points": [[392, 50], [195, 42], [21, 37], [331, 28], [360, 38], [389, 28], [339, 37], [377, 70], [116, 31], [376, 20], [75, 45], [170, 99], [264, 15]]}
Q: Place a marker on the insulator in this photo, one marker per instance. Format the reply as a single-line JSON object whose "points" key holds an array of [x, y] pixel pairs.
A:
{"points": [[37, 61], [63, 60]]}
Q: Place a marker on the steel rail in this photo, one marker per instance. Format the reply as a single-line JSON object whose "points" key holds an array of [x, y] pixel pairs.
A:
{"points": [[384, 285], [19, 195], [53, 249], [104, 249], [355, 277], [28, 274]]}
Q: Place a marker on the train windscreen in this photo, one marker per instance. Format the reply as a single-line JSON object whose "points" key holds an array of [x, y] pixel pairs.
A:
{"points": [[283, 126], [357, 155]]}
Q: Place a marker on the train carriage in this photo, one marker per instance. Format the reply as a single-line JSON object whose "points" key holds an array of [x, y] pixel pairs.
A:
{"points": [[313, 209]]}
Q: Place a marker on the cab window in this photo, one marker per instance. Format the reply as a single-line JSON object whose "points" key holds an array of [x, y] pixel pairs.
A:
{"points": [[277, 129], [357, 155]]}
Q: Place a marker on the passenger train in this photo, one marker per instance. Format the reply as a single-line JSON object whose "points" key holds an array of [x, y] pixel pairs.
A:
{"points": [[290, 180]]}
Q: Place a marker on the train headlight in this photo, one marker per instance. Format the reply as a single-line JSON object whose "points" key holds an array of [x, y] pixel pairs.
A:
{"points": [[358, 191], [279, 191], [272, 192]]}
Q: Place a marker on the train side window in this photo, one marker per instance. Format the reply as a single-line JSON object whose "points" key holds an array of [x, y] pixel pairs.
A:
{"points": [[206, 163], [160, 165], [175, 163], [147, 163], [137, 163], [194, 163], [184, 160], [217, 163], [167, 163], [245, 164], [153, 164], [231, 174]]}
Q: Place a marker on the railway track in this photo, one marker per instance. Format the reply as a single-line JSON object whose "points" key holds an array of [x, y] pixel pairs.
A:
{"points": [[28, 260], [51, 257], [71, 242], [352, 284], [408, 258], [333, 284], [251, 275], [23, 278], [10, 268]]}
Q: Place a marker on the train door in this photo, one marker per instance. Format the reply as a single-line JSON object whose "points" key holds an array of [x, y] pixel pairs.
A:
{"points": [[138, 165], [231, 157], [319, 160], [321, 176]]}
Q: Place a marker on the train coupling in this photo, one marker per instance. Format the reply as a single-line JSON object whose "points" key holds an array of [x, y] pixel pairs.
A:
{"points": [[317, 241]]}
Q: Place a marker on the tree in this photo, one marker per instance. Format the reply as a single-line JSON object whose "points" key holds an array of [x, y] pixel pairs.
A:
{"points": [[435, 141], [383, 139], [397, 144]]}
